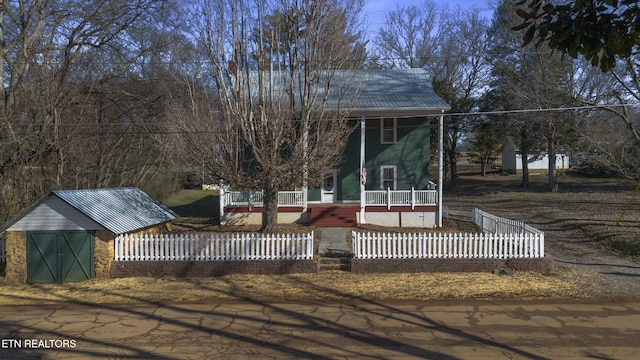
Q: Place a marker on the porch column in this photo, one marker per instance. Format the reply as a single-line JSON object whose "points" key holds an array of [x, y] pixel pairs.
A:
{"points": [[305, 170], [363, 174], [222, 200], [440, 166]]}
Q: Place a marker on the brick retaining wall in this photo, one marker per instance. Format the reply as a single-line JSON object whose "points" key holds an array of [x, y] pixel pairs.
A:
{"points": [[121, 269], [368, 266]]}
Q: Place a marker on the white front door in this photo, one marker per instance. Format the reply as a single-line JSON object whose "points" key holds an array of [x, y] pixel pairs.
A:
{"points": [[329, 181]]}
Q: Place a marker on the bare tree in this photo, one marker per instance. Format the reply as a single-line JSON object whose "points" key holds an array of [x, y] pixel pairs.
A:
{"points": [[460, 72], [608, 145], [409, 37], [56, 57], [531, 78], [267, 119]]}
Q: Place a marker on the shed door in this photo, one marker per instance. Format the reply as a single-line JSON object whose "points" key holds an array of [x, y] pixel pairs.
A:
{"points": [[59, 256]]}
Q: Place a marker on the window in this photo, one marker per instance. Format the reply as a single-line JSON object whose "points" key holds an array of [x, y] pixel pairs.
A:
{"points": [[388, 177], [388, 130]]}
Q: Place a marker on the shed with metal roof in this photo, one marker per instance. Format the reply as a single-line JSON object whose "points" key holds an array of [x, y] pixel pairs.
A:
{"points": [[68, 235]]}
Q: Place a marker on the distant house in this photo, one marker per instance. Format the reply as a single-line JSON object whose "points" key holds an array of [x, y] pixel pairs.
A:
{"points": [[512, 161], [385, 177], [68, 235]]}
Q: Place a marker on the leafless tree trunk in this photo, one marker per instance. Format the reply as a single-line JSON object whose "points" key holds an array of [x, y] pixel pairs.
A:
{"points": [[269, 124]]}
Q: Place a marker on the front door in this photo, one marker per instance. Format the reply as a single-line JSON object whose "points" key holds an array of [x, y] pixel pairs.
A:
{"points": [[329, 182]]}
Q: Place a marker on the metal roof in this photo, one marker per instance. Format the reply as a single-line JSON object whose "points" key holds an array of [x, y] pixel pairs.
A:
{"points": [[120, 210], [389, 92]]}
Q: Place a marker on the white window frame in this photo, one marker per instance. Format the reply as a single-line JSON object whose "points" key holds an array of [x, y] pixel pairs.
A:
{"points": [[384, 130], [394, 169]]}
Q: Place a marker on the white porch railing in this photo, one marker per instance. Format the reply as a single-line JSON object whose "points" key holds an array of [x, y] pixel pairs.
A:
{"points": [[446, 245], [499, 225], [391, 198], [252, 198], [209, 246]]}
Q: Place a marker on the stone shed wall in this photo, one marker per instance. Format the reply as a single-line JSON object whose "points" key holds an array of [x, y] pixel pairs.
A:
{"points": [[16, 252], [103, 253]]}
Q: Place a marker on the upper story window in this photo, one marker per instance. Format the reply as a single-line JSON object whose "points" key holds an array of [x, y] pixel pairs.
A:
{"points": [[388, 131]]}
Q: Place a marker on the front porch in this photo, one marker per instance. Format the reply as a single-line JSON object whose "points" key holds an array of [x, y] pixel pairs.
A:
{"points": [[410, 208]]}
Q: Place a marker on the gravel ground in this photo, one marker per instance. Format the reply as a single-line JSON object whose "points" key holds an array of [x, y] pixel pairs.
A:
{"points": [[614, 276]]}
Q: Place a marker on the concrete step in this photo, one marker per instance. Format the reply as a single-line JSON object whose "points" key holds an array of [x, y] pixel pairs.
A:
{"points": [[334, 263]]}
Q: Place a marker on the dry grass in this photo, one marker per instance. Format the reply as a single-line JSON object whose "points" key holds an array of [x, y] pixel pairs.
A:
{"points": [[333, 285]]}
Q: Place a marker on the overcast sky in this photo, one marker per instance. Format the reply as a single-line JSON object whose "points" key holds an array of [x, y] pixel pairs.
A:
{"points": [[375, 10]]}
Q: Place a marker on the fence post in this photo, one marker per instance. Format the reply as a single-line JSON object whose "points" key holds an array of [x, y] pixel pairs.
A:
{"points": [[388, 198], [118, 250]]}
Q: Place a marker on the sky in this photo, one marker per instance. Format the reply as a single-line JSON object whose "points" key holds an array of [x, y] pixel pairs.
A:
{"points": [[375, 10]]}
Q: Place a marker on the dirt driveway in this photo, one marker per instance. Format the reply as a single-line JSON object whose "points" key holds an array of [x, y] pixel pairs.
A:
{"points": [[592, 225]]}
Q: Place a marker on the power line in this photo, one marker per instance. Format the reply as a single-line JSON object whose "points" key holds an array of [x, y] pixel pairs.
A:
{"points": [[148, 128], [520, 111]]}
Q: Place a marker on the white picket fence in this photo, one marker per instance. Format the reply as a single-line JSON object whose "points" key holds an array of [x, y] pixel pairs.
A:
{"points": [[499, 225], [446, 245], [210, 246]]}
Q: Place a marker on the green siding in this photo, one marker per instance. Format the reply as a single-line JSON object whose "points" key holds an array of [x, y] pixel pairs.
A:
{"points": [[349, 173], [410, 154]]}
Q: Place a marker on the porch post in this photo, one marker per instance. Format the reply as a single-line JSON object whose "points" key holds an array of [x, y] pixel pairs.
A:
{"points": [[305, 171], [222, 199], [440, 166], [413, 198], [363, 178]]}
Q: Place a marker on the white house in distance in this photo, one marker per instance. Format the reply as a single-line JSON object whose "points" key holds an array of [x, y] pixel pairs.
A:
{"points": [[512, 161]]}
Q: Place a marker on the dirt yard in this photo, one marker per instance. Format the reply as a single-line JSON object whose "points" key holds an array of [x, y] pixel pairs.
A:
{"points": [[592, 225]]}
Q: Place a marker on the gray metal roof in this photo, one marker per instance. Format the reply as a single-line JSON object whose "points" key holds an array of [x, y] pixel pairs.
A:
{"points": [[390, 92], [120, 210], [399, 91]]}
